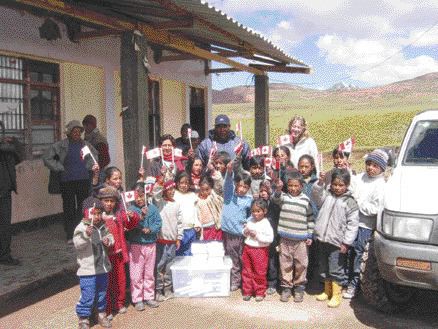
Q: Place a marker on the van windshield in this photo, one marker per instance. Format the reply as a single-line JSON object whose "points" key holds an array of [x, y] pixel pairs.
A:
{"points": [[423, 144]]}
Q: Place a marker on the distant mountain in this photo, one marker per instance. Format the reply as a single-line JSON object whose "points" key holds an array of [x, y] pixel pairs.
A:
{"points": [[422, 86], [342, 86]]}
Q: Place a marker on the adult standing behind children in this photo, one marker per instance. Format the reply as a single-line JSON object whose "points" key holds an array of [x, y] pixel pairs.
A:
{"points": [[94, 137], [9, 158], [65, 158], [301, 142], [225, 139]]}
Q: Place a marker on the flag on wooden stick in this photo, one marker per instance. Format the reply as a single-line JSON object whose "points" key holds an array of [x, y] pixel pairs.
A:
{"points": [[347, 145], [86, 151], [284, 139]]}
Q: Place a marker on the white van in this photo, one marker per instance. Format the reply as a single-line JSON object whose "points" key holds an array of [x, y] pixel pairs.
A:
{"points": [[405, 245]]}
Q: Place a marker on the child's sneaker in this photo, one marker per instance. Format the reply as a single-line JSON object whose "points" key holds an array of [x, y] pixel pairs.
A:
{"points": [[349, 293], [246, 298], [139, 306], [103, 320], [159, 297], [84, 323], [298, 296], [285, 294], [168, 294], [123, 310], [259, 298], [151, 303], [271, 291]]}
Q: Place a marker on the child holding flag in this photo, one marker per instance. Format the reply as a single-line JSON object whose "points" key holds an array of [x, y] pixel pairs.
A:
{"points": [[117, 222], [91, 239], [142, 250]]}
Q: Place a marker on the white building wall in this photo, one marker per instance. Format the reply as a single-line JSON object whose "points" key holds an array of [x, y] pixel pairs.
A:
{"points": [[19, 36]]}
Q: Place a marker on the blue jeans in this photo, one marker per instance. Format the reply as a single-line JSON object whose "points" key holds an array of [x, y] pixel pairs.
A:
{"points": [[363, 235], [92, 286], [331, 262], [165, 256], [185, 248]]}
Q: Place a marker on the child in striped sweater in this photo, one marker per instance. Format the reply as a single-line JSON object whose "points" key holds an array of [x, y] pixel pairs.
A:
{"points": [[295, 229]]}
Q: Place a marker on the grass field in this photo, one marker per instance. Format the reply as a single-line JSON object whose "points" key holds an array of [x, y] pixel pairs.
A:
{"points": [[374, 123]]}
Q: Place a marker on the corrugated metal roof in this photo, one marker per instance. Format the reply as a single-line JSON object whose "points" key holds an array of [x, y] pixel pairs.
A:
{"points": [[217, 17]]}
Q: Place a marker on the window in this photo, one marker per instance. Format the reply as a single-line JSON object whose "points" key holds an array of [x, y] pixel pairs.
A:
{"points": [[422, 148], [154, 112], [29, 102]]}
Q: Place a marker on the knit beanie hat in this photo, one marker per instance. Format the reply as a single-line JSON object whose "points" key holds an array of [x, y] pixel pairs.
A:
{"points": [[108, 192], [378, 156], [72, 124]]}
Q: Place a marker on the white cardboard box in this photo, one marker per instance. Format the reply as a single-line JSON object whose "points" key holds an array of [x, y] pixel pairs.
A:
{"points": [[192, 278]]}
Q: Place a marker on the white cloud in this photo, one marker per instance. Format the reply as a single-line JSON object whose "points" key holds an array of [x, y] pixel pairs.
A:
{"points": [[421, 38], [374, 61]]}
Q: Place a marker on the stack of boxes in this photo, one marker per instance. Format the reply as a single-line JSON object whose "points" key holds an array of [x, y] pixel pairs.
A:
{"points": [[205, 274]]}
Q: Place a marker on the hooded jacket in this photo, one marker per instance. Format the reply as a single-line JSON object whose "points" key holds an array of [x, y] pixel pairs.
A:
{"points": [[338, 217], [227, 145]]}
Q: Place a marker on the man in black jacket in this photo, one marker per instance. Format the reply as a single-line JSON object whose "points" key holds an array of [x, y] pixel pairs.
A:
{"points": [[9, 157]]}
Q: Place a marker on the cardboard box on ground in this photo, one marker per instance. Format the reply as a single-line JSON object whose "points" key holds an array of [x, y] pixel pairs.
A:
{"points": [[205, 274]]}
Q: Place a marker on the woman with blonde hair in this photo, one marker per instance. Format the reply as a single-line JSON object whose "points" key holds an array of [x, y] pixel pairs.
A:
{"points": [[300, 141]]}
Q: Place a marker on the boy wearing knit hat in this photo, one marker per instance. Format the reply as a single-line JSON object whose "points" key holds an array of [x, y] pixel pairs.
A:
{"points": [[368, 192]]}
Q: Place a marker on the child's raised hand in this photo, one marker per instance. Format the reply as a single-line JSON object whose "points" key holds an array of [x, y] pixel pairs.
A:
{"points": [[146, 230], [191, 154], [89, 230], [210, 166], [344, 248], [144, 210], [106, 241], [163, 170], [178, 244], [95, 169], [321, 179], [309, 242], [279, 185], [130, 213], [141, 172], [230, 167]]}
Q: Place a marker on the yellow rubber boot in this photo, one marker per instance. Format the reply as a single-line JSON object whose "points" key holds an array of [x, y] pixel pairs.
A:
{"points": [[335, 301], [327, 294]]}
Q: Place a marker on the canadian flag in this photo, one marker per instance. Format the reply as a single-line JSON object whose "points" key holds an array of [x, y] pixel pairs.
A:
{"points": [[347, 146], [89, 213], [266, 150], [238, 148], [213, 150], [255, 152], [152, 154], [148, 188], [189, 132], [84, 151], [129, 196], [177, 152], [268, 162], [284, 139]]}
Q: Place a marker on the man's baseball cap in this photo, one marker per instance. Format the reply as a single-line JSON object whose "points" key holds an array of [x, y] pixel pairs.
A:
{"points": [[222, 119]]}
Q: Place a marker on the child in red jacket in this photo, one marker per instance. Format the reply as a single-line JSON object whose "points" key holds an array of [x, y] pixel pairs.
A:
{"points": [[117, 222]]}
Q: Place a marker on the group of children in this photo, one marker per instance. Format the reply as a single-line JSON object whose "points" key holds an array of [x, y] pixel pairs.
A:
{"points": [[276, 223]]}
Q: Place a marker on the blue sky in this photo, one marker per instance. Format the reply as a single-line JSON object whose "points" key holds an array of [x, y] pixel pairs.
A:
{"points": [[364, 43]]}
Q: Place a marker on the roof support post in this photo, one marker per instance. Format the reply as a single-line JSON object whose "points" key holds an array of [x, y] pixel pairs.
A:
{"points": [[261, 110], [135, 119]]}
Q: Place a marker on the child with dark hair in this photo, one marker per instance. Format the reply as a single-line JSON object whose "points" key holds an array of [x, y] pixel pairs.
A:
{"points": [[91, 239], [195, 169], [336, 229], [169, 238], [341, 160], [118, 222], [307, 168], [234, 215], [282, 165], [221, 161], [209, 206], [257, 172], [265, 192], [295, 229], [258, 236], [142, 251], [187, 199]]}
